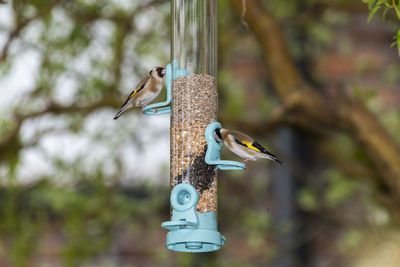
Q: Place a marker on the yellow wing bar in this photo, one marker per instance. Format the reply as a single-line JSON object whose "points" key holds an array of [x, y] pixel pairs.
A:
{"points": [[250, 146], [133, 93]]}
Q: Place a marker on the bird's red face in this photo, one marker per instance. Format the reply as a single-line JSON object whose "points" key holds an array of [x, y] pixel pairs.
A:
{"points": [[160, 72]]}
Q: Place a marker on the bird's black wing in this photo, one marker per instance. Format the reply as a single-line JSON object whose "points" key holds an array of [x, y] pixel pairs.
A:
{"points": [[239, 142], [262, 150]]}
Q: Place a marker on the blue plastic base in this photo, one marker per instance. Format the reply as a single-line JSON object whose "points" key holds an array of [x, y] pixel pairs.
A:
{"points": [[205, 239], [190, 231]]}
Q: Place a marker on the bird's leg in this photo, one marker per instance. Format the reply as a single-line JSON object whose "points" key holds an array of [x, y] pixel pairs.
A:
{"points": [[155, 110], [244, 161]]}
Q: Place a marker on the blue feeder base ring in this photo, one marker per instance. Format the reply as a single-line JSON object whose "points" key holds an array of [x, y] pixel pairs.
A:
{"points": [[195, 240]]}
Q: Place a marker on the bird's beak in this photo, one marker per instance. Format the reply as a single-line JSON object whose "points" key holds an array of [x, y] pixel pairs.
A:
{"points": [[163, 72]]}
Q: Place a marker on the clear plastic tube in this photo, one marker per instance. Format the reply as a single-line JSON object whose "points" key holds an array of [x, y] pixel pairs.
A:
{"points": [[194, 97]]}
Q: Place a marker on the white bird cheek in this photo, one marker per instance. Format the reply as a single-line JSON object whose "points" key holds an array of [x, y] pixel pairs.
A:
{"points": [[156, 77]]}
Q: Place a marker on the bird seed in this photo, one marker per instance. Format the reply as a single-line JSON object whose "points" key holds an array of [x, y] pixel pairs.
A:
{"points": [[194, 106]]}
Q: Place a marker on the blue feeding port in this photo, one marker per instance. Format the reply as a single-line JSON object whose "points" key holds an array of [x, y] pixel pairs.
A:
{"points": [[189, 231], [172, 72], [213, 154]]}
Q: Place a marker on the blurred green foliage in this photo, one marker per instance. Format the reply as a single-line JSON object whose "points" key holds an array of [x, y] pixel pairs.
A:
{"points": [[384, 6], [84, 217]]}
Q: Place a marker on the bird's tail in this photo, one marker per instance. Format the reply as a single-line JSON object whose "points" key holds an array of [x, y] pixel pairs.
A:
{"points": [[271, 157], [122, 110]]}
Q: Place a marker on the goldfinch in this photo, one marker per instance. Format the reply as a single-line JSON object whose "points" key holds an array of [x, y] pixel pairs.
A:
{"points": [[145, 91], [243, 145]]}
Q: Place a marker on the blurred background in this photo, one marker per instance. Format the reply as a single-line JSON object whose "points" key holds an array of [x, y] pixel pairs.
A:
{"points": [[313, 81]]}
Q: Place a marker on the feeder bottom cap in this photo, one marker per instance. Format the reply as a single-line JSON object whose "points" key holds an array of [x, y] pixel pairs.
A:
{"points": [[193, 245]]}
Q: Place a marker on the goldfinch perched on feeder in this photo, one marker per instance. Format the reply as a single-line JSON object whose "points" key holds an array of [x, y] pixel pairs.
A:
{"points": [[243, 145], [146, 90]]}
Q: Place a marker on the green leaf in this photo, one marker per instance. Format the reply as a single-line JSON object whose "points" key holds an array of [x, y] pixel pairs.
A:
{"points": [[398, 42], [372, 13], [385, 12]]}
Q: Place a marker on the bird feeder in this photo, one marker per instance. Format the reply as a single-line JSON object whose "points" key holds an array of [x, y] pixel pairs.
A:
{"points": [[195, 155], [193, 227]]}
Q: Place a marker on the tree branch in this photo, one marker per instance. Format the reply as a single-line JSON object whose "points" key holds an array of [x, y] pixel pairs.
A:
{"points": [[311, 109], [10, 145], [278, 119], [20, 26]]}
